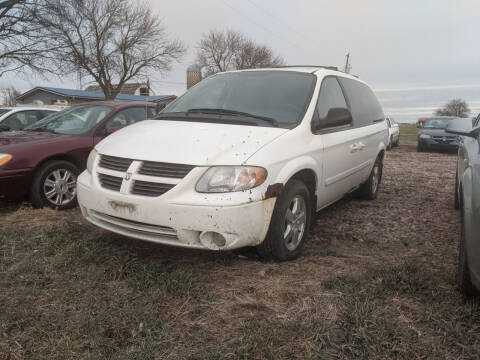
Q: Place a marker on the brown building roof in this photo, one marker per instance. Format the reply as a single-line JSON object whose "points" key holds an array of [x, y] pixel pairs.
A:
{"points": [[128, 88]]}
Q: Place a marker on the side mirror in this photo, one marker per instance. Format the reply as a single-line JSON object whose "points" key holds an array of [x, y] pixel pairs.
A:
{"points": [[473, 133], [160, 107], [336, 117]]}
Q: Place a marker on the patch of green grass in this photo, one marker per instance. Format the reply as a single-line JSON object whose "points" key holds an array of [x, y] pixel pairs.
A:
{"points": [[408, 132]]}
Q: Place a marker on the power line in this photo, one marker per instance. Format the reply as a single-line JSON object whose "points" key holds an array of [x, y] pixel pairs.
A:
{"points": [[277, 18], [260, 25]]}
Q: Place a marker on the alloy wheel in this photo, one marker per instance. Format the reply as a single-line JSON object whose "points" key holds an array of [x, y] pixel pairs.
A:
{"points": [[60, 187], [295, 222]]}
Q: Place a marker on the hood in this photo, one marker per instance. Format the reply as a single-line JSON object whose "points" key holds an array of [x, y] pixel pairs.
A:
{"points": [[19, 139], [183, 142], [434, 132]]}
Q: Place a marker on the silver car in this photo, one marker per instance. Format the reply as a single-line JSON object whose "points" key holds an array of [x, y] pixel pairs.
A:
{"points": [[467, 199]]}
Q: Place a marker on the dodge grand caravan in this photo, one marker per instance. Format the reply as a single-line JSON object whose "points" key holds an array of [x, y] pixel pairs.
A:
{"points": [[244, 158]]}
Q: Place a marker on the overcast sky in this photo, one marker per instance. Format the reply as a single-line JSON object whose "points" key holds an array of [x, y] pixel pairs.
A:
{"points": [[393, 44]]}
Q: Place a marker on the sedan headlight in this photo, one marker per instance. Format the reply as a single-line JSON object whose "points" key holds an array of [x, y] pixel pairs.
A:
{"points": [[223, 179], [91, 160], [424, 136], [4, 158]]}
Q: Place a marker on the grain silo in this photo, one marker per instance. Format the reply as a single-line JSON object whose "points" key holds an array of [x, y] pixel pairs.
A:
{"points": [[194, 75]]}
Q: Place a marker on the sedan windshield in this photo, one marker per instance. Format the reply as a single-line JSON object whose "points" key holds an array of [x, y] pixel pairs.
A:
{"points": [[437, 123], [266, 98], [74, 121]]}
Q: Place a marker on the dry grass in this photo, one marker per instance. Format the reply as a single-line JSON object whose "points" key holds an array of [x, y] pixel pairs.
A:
{"points": [[376, 281]]}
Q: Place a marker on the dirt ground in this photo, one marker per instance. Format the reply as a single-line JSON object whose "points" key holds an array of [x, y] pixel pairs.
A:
{"points": [[376, 281]]}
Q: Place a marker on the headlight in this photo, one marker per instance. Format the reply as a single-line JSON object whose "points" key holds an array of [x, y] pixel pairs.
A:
{"points": [[4, 158], [424, 136], [231, 178], [91, 160]]}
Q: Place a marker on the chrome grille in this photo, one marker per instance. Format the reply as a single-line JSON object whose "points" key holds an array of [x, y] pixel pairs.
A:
{"points": [[177, 171], [114, 163], [110, 182], [146, 188]]}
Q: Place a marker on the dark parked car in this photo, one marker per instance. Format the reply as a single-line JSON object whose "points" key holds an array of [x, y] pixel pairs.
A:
{"points": [[44, 160], [467, 198], [432, 136]]}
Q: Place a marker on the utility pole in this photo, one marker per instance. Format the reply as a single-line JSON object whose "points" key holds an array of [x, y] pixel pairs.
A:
{"points": [[347, 64]]}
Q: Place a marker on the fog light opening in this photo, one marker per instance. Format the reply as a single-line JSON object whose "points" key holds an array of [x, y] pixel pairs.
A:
{"points": [[212, 239]]}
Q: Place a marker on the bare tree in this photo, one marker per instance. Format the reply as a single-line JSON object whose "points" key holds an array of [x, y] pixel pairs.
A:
{"points": [[455, 107], [9, 95], [230, 50], [108, 41], [18, 50]]}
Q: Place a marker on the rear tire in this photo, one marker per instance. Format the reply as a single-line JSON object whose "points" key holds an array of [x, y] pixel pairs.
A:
{"points": [[369, 189], [465, 285], [54, 185], [290, 223]]}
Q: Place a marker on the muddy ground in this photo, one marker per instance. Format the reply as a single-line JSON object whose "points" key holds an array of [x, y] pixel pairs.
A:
{"points": [[376, 281]]}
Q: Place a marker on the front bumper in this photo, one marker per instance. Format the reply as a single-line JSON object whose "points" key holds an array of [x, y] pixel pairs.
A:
{"points": [[15, 184], [437, 145], [178, 217]]}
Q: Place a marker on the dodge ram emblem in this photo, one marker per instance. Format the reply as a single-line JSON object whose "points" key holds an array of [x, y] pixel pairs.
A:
{"points": [[128, 176]]}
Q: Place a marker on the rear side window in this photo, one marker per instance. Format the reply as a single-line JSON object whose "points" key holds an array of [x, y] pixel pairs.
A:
{"points": [[363, 103], [331, 96]]}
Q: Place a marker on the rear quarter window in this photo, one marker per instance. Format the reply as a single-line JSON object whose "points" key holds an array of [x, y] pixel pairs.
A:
{"points": [[363, 103]]}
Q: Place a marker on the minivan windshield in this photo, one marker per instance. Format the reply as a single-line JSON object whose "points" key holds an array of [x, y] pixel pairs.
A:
{"points": [[74, 121], [278, 98]]}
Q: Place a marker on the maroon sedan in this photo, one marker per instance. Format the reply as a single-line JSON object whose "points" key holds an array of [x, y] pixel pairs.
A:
{"points": [[42, 162]]}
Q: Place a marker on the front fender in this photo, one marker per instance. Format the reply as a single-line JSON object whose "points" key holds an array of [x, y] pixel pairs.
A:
{"points": [[298, 164]]}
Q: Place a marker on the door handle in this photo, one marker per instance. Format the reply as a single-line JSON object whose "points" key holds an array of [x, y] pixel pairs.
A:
{"points": [[354, 148], [361, 146]]}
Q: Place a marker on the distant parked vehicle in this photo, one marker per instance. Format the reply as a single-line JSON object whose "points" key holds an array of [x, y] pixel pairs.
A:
{"points": [[44, 160], [393, 132], [467, 198], [432, 136], [17, 118]]}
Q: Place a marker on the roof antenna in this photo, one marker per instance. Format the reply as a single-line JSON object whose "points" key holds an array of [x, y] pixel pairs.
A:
{"points": [[348, 67]]}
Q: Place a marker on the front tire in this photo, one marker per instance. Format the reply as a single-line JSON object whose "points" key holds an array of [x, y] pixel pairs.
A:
{"points": [[289, 224], [456, 201], [55, 185]]}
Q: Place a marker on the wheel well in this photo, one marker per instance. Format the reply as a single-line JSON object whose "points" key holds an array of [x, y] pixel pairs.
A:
{"points": [[381, 155], [309, 178], [58, 157]]}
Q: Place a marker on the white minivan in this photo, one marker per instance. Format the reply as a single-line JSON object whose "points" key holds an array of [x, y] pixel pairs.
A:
{"points": [[244, 158]]}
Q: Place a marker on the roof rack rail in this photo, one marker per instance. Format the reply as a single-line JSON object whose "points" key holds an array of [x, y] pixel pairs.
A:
{"points": [[314, 66]]}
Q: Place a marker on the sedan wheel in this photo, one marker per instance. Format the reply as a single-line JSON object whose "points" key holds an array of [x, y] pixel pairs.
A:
{"points": [[60, 187], [55, 185]]}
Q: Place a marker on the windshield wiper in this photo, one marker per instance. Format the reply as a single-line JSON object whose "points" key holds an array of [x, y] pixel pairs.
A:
{"points": [[39, 129], [234, 113]]}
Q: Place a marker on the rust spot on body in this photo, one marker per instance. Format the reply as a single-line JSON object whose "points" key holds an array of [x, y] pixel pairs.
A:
{"points": [[122, 205], [273, 190]]}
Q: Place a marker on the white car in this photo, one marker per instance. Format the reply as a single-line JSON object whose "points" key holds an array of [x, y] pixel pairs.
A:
{"points": [[243, 158], [393, 133], [17, 118]]}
